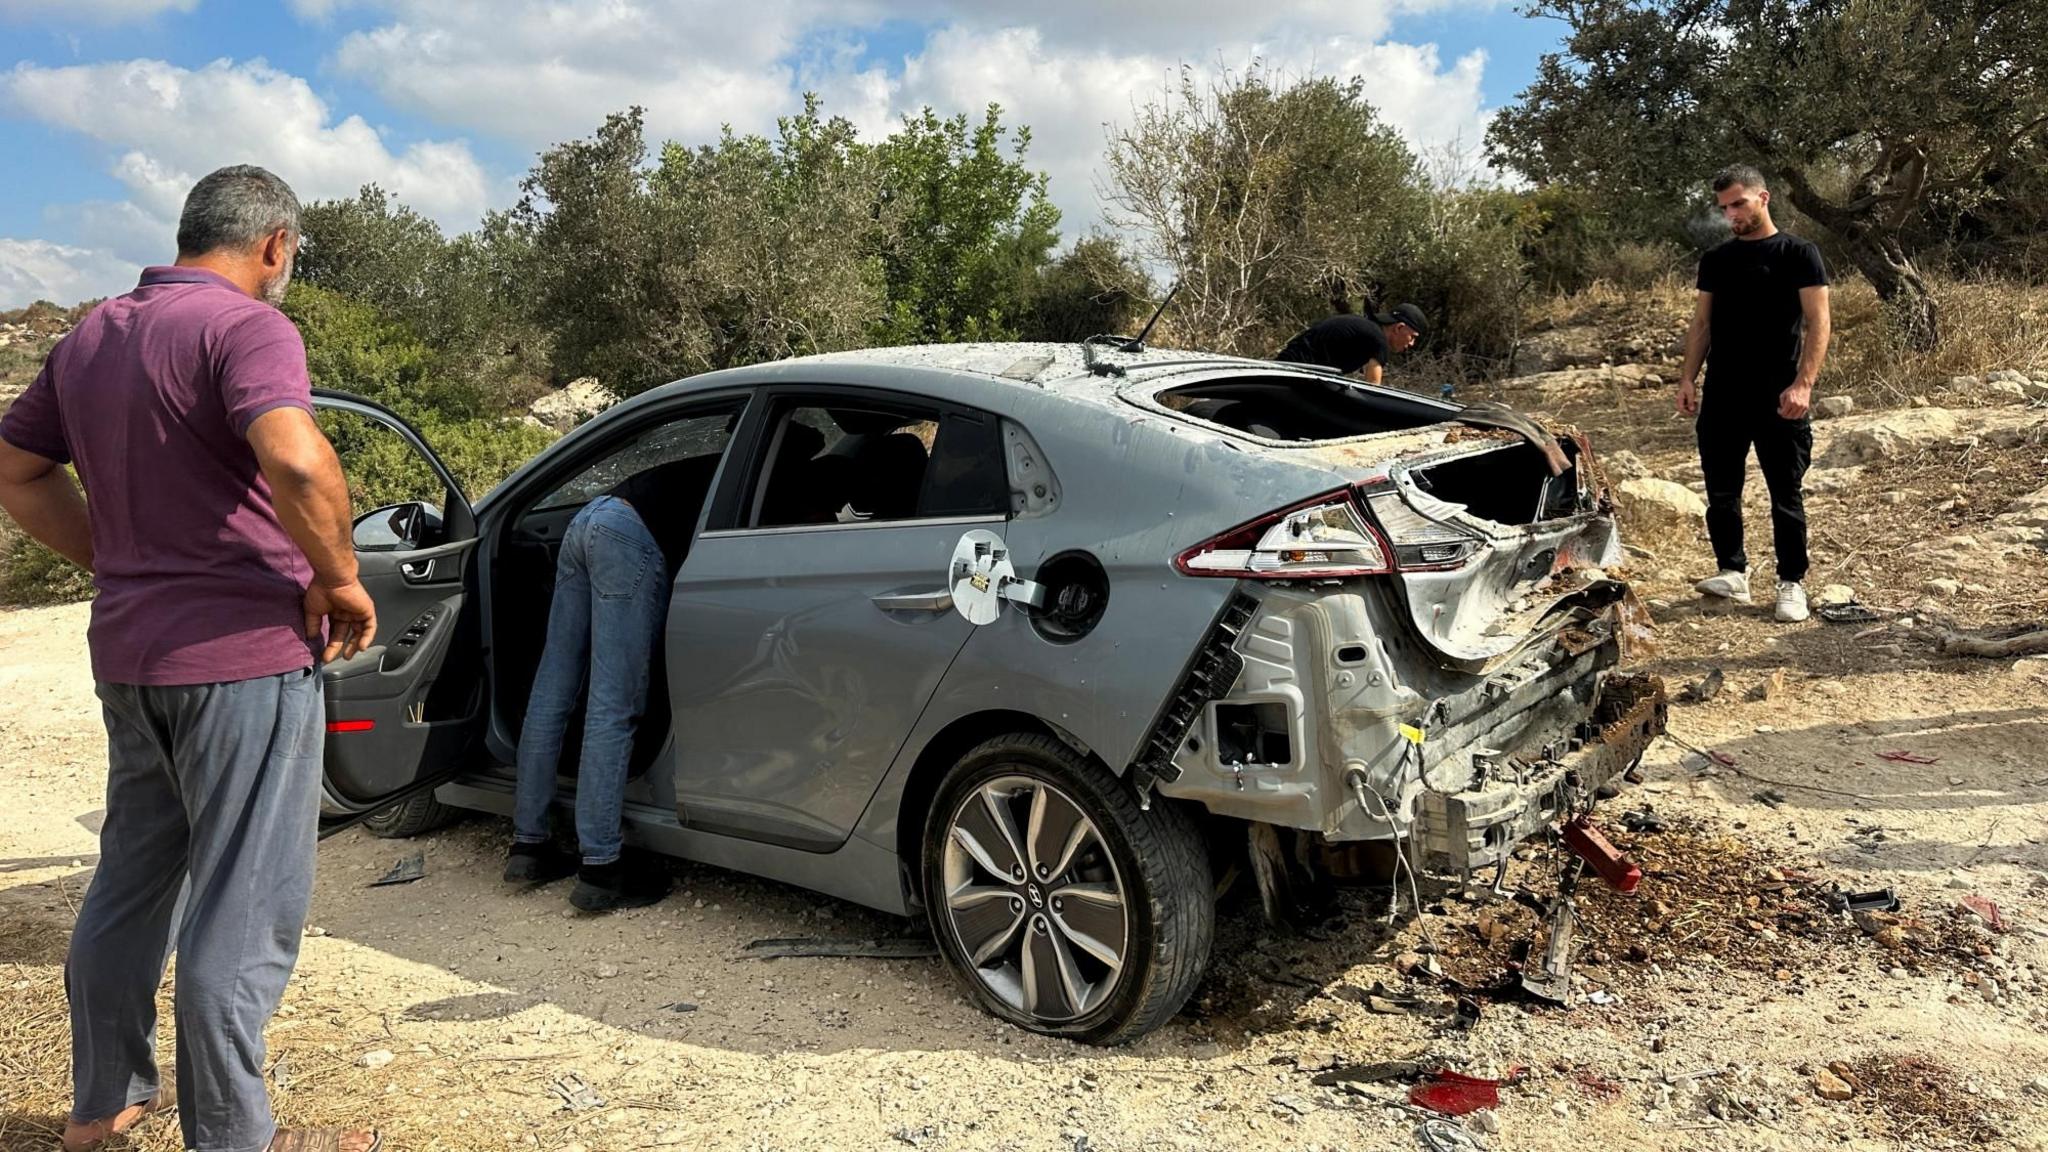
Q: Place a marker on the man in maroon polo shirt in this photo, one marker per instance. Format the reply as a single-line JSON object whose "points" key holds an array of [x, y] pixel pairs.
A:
{"points": [[219, 542]]}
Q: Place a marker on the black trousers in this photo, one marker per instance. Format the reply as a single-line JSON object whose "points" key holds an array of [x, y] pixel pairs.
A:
{"points": [[1728, 427]]}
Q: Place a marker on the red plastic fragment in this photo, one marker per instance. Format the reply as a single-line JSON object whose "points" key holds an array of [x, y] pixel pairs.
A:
{"points": [[1454, 1093], [1620, 873], [1908, 758], [1993, 918]]}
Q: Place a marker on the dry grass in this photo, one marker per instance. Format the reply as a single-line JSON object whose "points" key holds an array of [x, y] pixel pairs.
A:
{"points": [[1985, 325], [1665, 301]]}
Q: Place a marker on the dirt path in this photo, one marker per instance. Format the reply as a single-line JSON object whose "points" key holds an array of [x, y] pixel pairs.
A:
{"points": [[447, 1010]]}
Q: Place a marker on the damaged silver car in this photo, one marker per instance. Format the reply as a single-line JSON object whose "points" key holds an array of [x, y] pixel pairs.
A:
{"points": [[1036, 641]]}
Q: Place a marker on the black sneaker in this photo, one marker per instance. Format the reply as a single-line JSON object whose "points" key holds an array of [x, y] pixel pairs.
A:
{"points": [[537, 864], [606, 887]]}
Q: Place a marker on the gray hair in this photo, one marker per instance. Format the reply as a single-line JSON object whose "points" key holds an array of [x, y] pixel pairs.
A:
{"points": [[233, 208], [1742, 174]]}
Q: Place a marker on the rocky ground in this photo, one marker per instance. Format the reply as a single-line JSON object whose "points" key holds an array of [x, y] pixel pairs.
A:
{"points": [[1721, 1006]]}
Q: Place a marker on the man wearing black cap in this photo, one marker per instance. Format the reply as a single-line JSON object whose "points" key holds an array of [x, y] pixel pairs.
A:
{"points": [[1352, 343]]}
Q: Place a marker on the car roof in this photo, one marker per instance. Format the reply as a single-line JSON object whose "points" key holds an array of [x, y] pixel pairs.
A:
{"points": [[1054, 367]]}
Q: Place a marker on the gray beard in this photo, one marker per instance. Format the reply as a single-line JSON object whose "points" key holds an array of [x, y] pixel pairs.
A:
{"points": [[274, 288]]}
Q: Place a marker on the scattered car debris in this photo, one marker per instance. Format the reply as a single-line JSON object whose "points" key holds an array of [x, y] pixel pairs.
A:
{"points": [[1702, 690], [1444, 1136], [1588, 843], [1849, 613], [1376, 1073], [871, 948], [915, 1137], [1901, 757], [679, 1006], [1985, 910], [1769, 797], [576, 1093], [1877, 900], [1643, 820], [1456, 1094], [406, 871]]}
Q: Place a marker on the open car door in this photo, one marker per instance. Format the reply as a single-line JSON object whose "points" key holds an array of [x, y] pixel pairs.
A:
{"points": [[406, 713]]}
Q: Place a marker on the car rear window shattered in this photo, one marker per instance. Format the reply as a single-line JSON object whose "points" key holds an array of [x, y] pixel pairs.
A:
{"points": [[1300, 409]]}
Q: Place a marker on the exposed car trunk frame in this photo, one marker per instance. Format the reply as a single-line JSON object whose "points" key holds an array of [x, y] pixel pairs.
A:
{"points": [[1498, 534]]}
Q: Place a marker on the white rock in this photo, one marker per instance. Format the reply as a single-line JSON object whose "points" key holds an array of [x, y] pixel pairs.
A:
{"points": [[376, 1059], [582, 399], [1623, 465], [1646, 502], [1943, 587], [1886, 435], [1835, 594], [1834, 407], [1834, 479]]}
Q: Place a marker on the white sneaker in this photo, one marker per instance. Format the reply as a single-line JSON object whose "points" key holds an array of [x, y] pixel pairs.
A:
{"points": [[1791, 601], [1725, 584]]}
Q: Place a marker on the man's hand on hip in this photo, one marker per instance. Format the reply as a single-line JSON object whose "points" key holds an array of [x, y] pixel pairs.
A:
{"points": [[350, 614], [1689, 397], [1794, 402]]}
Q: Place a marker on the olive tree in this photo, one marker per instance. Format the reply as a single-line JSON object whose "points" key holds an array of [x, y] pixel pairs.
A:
{"points": [[1861, 112], [1266, 198]]}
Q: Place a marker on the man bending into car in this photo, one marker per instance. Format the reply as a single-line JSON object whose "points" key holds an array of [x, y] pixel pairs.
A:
{"points": [[1351, 343], [611, 595]]}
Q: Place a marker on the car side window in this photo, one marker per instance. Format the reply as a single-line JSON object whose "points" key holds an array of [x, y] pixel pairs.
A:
{"points": [[866, 461], [672, 441]]}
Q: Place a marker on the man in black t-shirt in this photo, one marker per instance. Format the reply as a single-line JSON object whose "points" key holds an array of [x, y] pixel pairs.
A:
{"points": [[1760, 324], [1352, 343]]}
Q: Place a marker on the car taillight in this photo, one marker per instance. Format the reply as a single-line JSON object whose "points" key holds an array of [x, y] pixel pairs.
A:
{"points": [[1420, 544], [1325, 538]]}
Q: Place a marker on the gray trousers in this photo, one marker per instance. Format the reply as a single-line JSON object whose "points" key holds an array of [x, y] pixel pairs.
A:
{"points": [[213, 806]]}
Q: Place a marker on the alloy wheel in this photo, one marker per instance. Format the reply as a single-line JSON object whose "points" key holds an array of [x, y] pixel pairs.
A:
{"points": [[1034, 899]]}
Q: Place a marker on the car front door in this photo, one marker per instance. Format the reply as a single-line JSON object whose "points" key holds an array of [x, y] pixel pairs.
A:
{"points": [[813, 621], [405, 713]]}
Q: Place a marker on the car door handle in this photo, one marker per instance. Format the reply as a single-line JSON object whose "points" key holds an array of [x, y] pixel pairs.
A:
{"points": [[936, 600]]}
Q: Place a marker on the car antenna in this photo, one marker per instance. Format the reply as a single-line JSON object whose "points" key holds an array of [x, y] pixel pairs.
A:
{"points": [[1137, 343]]}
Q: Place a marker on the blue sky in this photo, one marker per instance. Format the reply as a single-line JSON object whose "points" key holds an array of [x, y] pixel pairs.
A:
{"points": [[110, 108]]}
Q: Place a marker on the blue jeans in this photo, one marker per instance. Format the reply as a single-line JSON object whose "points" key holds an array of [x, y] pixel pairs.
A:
{"points": [[611, 591]]}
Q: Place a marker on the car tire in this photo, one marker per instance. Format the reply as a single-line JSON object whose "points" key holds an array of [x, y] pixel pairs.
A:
{"points": [[412, 816], [1155, 859]]}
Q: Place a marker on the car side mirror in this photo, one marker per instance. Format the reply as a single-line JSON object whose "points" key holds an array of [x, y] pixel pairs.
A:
{"points": [[397, 527]]}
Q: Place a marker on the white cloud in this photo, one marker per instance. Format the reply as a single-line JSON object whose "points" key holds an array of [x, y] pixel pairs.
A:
{"points": [[166, 126], [94, 11], [32, 270], [541, 71], [1068, 94]]}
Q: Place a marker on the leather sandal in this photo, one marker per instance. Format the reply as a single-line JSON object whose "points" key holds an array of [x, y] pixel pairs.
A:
{"points": [[320, 1140], [86, 1137]]}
